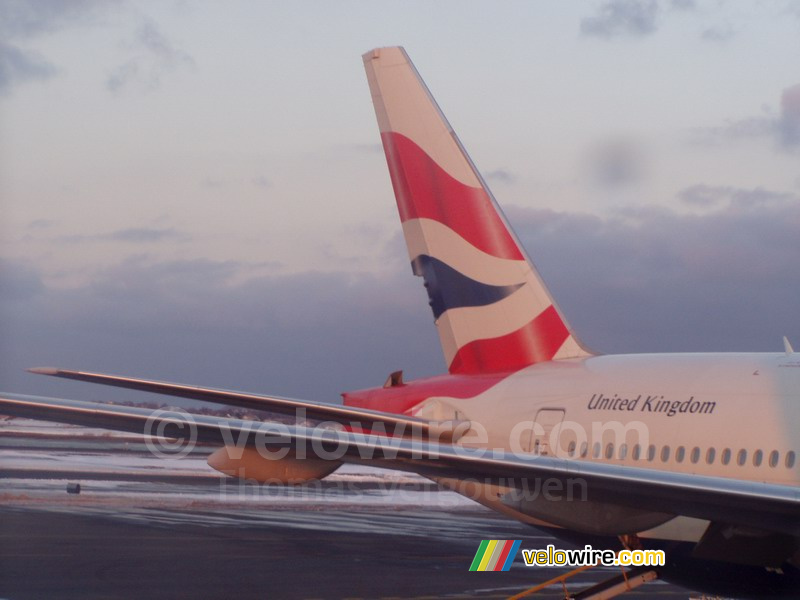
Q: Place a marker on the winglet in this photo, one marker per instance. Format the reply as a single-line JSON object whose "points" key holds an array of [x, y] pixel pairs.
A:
{"points": [[787, 346]]}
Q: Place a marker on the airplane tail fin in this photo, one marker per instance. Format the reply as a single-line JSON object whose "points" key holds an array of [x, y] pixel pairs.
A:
{"points": [[491, 308]]}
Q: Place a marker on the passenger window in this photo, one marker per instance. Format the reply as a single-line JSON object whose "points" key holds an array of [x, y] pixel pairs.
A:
{"points": [[789, 459], [726, 456], [637, 452], [584, 449], [596, 450], [651, 453], [609, 450], [665, 454], [695, 455], [571, 449], [742, 458], [710, 456], [773, 458], [758, 456], [680, 453], [623, 451]]}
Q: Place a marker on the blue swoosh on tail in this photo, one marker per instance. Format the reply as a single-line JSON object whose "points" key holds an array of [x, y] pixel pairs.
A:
{"points": [[448, 288]]}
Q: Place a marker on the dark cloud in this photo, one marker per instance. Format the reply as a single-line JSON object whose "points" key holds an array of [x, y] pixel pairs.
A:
{"points": [[123, 75], [735, 129], [783, 129], [635, 18], [617, 163], [640, 280], [501, 176], [789, 122], [21, 282], [211, 183], [25, 18], [18, 66], [22, 20], [155, 56], [41, 223], [791, 8], [719, 33], [136, 235], [705, 196], [656, 280], [311, 335], [262, 182]]}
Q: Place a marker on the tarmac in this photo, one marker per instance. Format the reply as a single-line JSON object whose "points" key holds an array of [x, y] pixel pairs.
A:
{"points": [[143, 527]]}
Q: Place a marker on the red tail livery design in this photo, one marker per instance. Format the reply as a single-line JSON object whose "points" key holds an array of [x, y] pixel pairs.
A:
{"points": [[492, 311]]}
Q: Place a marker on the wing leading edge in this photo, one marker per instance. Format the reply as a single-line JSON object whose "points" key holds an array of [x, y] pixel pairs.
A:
{"points": [[394, 424], [754, 504]]}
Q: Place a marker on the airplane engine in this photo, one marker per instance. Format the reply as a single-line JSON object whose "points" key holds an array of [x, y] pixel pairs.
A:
{"points": [[247, 463]]}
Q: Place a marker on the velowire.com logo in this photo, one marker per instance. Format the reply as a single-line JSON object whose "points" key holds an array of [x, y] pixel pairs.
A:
{"points": [[495, 555]]}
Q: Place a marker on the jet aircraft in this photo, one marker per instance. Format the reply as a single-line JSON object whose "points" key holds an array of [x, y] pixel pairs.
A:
{"points": [[695, 454]]}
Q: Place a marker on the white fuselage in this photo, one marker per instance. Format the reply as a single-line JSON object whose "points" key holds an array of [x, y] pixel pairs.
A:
{"points": [[723, 415]]}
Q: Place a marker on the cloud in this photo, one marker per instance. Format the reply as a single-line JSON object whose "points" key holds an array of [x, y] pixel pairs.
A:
{"points": [[262, 182], [789, 122], [649, 280], [214, 184], [501, 176], [135, 235], [639, 280], [310, 335], [41, 223], [20, 21], [792, 8], [704, 196], [783, 129], [21, 282], [615, 18], [617, 163], [719, 34], [154, 57], [735, 129], [18, 66]]}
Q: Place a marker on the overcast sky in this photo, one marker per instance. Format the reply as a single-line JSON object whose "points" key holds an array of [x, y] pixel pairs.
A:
{"points": [[194, 191]]}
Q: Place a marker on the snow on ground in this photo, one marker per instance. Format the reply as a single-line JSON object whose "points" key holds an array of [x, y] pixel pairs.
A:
{"points": [[38, 472]]}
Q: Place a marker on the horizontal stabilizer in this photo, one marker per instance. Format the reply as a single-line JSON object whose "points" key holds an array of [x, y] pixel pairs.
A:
{"points": [[356, 418]]}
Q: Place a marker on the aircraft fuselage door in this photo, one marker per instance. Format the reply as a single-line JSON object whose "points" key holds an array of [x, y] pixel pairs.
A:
{"points": [[546, 420]]}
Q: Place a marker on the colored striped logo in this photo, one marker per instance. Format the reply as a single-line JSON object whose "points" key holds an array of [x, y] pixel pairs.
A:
{"points": [[495, 555]]}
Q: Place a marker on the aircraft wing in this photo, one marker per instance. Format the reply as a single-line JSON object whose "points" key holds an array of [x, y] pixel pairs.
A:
{"points": [[323, 411], [751, 504]]}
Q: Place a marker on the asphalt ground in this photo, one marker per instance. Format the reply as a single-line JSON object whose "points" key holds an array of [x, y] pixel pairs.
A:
{"points": [[336, 554], [147, 528]]}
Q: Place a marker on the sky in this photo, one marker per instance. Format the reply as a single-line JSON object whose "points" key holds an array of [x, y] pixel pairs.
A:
{"points": [[195, 191]]}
